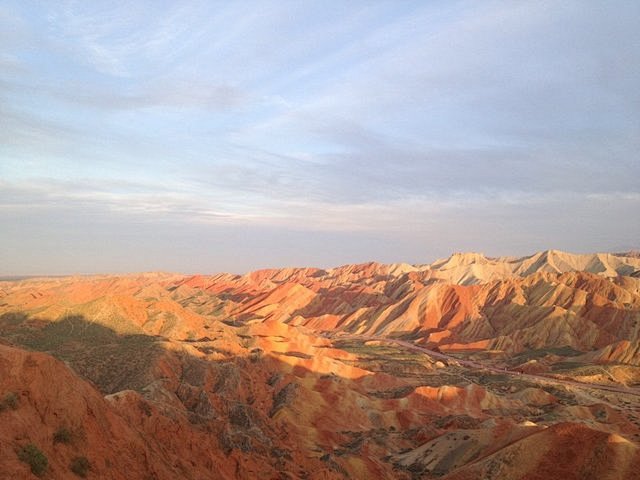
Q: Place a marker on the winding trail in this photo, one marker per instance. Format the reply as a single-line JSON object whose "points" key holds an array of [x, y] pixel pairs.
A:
{"points": [[481, 366]]}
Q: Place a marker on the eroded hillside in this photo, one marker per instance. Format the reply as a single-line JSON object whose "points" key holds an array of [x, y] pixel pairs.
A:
{"points": [[288, 373]]}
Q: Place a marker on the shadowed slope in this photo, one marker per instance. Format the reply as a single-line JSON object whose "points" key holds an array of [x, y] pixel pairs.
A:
{"points": [[235, 374]]}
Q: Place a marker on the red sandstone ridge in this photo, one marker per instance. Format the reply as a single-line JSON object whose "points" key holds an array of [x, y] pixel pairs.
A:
{"points": [[66, 418], [288, 373]]}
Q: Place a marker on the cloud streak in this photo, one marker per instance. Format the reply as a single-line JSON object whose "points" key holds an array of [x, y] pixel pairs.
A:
{"points": [[354, 120]]}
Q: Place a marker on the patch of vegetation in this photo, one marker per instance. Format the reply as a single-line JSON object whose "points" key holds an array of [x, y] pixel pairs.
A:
{"points": [[527, 355], [112, 361], [563, 394], [498, 382], [492, 378], [567, 365], [145, 408], [208, 350], [295, 354], [240, 416], [230, 440], [193, 371], [274, 378], [62, 435], [283, 398], [13, 319], [54, 335], [80, 466], [364, 349], [439, 379], [399, 392], [387, 359], [255, 355], [579, 369], [233, 323], [458, 422], [228, 378], [33, 456], [9, 402], [353, 446], [333, 465]]}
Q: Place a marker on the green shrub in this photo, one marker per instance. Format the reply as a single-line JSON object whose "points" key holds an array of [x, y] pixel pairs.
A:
{"points": [[62, 435], [80, 466], [33, 456], [10, 400]]}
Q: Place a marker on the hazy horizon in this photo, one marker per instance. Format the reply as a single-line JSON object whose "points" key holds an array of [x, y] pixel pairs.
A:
{"points": [[227, 137], [427, 261]]}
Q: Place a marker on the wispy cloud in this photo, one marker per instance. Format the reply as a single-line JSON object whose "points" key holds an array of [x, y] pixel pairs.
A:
{"points": [[113, 37], [386, 120], [180, 94]]}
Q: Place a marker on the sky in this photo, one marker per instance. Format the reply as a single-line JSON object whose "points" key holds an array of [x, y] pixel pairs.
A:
{"points": [[231, 136]]}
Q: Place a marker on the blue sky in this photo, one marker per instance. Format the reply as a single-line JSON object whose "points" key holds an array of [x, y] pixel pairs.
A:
{"points": [[204, 136]]}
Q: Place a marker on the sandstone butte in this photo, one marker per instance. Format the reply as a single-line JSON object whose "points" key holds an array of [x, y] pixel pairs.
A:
{"points": [[306, 373]]}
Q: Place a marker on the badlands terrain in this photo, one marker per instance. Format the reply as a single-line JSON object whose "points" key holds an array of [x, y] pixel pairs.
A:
{"points": [[466, 368]]}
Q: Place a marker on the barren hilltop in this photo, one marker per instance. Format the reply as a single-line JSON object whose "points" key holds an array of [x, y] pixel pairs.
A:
{"points": [[469, 367]]}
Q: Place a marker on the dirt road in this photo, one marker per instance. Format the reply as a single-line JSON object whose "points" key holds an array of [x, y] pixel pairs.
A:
{"points": [[481, 366]]}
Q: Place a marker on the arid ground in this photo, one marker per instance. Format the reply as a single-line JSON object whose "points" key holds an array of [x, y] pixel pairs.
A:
{"points": [[470, 367]]}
